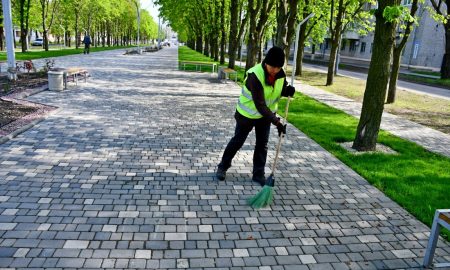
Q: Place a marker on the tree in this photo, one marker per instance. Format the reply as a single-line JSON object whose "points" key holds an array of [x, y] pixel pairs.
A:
{"points": [[259, 11], [307, 28], [386, 16], [48, 9], [237, 25], [24, 15], [407, 16], [441, 15], [348, 11], [286, 16]]}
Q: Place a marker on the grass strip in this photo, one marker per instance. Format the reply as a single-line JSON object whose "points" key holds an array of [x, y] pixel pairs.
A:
{"points": [[37, 54], [423, 109]]}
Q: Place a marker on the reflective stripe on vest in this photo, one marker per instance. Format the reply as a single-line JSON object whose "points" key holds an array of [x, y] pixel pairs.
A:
{"points": [[247, 107]]}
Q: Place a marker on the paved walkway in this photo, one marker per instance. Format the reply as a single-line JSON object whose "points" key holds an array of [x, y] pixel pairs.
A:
{"points": [[122, 177], [428, 138]]}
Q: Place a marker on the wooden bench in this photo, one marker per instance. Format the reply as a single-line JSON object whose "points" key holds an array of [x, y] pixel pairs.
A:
{"points": [[74, 74], [224, 73], [198, 65], [441, 218]]}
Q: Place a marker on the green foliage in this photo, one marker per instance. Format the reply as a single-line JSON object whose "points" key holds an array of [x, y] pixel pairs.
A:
{"points": [[397, 14]]}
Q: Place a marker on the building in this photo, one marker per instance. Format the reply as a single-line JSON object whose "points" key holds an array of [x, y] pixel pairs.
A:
{"points": [[425, 46]]}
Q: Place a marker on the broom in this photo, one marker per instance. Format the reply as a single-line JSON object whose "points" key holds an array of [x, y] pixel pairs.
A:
{"points": [[265, 196]]}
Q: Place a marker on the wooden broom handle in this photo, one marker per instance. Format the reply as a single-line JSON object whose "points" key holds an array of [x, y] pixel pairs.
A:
{"points": [[281, 137]]}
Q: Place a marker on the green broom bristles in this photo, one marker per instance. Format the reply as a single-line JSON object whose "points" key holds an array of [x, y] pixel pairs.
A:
{"points": [[263, 198]]}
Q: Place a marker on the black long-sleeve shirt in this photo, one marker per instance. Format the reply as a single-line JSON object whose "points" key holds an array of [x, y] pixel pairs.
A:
{"points": [[254, 85]]}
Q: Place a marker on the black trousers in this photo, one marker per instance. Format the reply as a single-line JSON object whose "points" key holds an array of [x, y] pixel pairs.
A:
{"points": [[86, 48], [243, 127]]}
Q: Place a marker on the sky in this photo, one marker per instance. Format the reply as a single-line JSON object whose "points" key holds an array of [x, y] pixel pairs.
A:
{"points": [[148, 5]]}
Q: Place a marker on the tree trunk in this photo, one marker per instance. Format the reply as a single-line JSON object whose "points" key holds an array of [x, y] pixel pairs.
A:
{"points": [[1, 37], [258, 19], [301, 48], [223, 33], [282, 18], [335, 40], [445, 67], [397, 55], [233, 41], [377, 79], [394, 76], [77, 39], [206, 48], [199, 43]]}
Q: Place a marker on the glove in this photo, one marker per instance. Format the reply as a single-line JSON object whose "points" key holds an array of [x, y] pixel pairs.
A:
{"points": [[290, 90], [281, 128]]}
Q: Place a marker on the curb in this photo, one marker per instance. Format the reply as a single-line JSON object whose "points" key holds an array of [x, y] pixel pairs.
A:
{"points": [[17, 132]]}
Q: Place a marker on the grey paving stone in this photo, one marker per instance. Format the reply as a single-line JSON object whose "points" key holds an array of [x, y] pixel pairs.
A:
{"points": [[121, 178]]}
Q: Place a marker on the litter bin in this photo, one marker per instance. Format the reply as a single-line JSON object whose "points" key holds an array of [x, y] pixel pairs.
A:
{"points": [[55, 80]]}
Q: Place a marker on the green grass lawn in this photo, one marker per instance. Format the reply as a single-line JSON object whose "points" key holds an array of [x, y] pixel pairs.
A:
{"points": [[415, 178], [55, 52], [431, 81], [186, 54]]}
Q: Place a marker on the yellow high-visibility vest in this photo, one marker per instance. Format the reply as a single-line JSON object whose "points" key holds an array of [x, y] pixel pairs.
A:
{"points": [[272, 94]]}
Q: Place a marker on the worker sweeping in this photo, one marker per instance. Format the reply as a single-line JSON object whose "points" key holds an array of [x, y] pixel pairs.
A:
{"points": [[263, 86]]}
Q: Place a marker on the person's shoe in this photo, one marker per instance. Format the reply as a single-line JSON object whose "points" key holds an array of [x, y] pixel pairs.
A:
{"points": [[221, 174], [259, 179]]}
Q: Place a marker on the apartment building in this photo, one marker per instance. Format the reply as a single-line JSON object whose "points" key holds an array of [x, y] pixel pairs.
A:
{"points": [[425, 46]]}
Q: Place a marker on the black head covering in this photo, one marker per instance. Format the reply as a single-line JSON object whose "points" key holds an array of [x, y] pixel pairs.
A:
{"points": [[275, 57]]}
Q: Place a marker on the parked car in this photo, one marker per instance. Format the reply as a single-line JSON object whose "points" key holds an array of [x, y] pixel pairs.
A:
{"points": [[37, 42]]}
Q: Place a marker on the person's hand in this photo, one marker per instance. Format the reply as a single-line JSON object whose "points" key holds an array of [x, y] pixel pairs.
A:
{"points": [[290, 90], [281, 128]]}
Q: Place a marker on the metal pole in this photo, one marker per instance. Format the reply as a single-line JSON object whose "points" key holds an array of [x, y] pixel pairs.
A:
{"points": [[7, 21], [294, 63], [138, 25], [159, 26]]}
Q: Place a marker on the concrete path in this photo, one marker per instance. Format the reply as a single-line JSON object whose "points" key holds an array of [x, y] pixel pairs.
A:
{"points": [[122, 177], [431, 139]]}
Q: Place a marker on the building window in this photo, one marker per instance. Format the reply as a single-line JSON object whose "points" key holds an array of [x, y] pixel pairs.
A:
{"points": [[343, 44], [352, 45], [406, 2], [371, 47], [363, 47]]}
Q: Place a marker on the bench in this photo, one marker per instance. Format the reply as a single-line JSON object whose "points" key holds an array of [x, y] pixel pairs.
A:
{"points": [[224, 73], [198, 65], [441, 218], [73, 74]]}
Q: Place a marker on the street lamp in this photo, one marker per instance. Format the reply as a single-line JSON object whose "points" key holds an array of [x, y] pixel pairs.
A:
{"points": [[64, 35], [137, 3], [7, 21]]}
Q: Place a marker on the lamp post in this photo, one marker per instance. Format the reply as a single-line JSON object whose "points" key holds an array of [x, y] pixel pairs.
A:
{"points": [[64, 36], [137, 4], [7, 21], [159, 26]]}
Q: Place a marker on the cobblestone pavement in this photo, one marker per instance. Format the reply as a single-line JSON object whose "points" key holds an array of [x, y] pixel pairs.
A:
{"points": [[122, 177], [430, 139]]}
